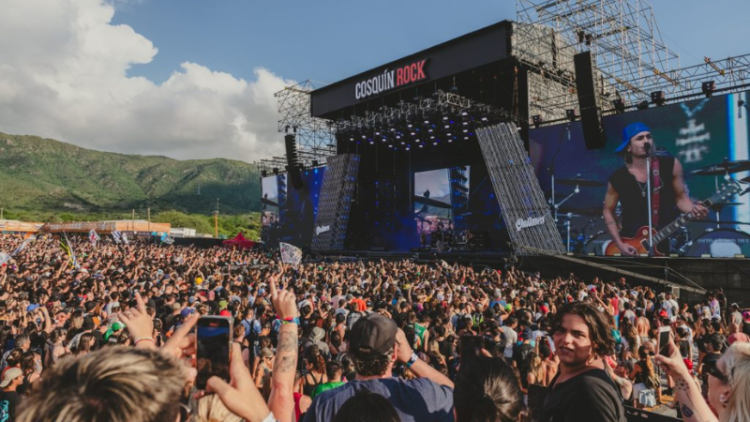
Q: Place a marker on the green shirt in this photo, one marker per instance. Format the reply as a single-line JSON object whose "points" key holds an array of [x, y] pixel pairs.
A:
{"points": [[325, 387]]}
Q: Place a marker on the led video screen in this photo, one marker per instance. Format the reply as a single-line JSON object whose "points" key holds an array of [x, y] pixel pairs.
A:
{"points": [[709, 138], [288, 214], [441, 203]]}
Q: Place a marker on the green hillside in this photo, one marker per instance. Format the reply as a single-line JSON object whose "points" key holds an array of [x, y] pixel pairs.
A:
{"points": [[46, 175]]}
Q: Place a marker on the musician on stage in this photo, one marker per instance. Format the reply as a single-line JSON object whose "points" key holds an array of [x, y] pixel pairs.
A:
{"points": [[628, 185]]}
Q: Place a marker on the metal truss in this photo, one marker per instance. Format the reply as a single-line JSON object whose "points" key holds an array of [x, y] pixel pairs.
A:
{"points": [[631, 59], [621, 34], [314, 136], [440, 102]]}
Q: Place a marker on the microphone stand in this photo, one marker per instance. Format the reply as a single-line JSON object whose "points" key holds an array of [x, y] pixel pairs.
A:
{"points": [[647, 147], [551, 170]]}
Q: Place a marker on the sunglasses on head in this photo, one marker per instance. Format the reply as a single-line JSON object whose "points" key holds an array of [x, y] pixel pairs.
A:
{"points": [[711, 369]]}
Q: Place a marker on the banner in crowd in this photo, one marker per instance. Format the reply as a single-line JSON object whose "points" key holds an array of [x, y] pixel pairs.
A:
{"points": [[166, 239], [125, 239], [93, 237], [290, 254], [117, 236]]}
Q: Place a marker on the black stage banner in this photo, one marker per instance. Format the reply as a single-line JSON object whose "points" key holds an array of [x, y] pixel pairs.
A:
{"points": [[479, 48]]}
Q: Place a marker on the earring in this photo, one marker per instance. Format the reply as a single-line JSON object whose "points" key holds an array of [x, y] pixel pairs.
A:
{"points": [[723, 399]]}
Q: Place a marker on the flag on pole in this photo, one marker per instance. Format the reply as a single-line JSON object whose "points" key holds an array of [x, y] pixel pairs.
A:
{"points": [[93, 237], [117, 236], [68, 248], [125, 239], [21, 247], [4, 258], [290, 254]]}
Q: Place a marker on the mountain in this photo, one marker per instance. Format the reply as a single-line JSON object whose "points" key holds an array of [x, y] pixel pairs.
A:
{"points": [[44, 174]]}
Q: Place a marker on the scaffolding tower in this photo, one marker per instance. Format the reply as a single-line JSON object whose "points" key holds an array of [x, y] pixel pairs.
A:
{"points": [[632, 61], [622, 36], [315, 136]]}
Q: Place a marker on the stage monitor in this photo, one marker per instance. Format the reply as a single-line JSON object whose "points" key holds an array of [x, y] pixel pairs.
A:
{"points": [[709, 138]]}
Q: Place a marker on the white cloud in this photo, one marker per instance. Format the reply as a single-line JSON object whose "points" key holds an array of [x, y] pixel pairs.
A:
{"points": [[63, 75]]}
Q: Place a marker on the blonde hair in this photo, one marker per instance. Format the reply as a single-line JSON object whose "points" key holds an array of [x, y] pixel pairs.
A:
{"points": [[737, 368], [212, 409], [117, 384]]}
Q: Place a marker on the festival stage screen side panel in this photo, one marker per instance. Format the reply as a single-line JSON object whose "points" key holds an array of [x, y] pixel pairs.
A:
{"points": [[302, 207], [441, 200], [699, 133]]}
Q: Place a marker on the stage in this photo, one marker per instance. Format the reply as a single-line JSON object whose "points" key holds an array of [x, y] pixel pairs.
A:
{"points": [[730, 274]]}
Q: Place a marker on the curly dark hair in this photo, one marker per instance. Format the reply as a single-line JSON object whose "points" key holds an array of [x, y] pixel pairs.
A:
{"points": [[373, 366], [600, 332]]}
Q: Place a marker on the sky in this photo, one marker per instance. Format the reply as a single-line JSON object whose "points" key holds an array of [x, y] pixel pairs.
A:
{"points": [[194, 79]]}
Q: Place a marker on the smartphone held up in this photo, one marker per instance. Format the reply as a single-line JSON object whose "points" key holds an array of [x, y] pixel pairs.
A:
{"points": [[213, 342]]}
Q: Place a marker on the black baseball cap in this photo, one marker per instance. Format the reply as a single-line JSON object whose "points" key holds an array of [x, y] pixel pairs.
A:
{"points": [[372, 336]]}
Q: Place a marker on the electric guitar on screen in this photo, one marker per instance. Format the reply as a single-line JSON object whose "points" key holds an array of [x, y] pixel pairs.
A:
{"points": [[640, 241]]}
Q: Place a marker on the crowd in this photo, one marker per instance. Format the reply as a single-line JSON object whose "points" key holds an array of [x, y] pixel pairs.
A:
{"points": [[112, 338]]}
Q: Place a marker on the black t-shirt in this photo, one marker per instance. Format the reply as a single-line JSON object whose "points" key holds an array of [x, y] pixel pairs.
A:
{"points": [[590, 396], [9, 401], [634, 202]]}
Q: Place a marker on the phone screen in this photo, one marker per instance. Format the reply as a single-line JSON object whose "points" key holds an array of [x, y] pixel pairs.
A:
{"points": [[212, 340], [664, 343]]}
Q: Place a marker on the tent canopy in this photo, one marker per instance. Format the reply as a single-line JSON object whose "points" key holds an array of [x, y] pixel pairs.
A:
{"points": [[239, 241]]}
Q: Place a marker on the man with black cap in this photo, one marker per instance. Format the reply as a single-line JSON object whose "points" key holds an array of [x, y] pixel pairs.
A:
{"points": [[375, 345], [628, 186]]}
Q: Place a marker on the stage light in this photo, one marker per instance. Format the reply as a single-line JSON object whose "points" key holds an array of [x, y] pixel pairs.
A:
{"points": [[449, 134], [658, 98], [619, 106], [643, 105], [446, 127], [466, 138], [315, 163], [413, 133], [572, 114], [589, 37], [445, 118], [264, 173], [537, 119], [708, 88], [410, 126], [275, 171]]}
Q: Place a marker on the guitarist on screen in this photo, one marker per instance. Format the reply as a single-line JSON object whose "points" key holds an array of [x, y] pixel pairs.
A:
{"points": [[627, 185]]}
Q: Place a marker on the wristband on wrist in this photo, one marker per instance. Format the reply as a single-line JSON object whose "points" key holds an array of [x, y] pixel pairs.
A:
{"points": [[138, 340], [412, 360], [290, 320]]}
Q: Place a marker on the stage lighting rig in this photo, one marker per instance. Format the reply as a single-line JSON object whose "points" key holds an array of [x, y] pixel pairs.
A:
{"points": [[619, 106], [658, 98], [572, 114], [537, 120], [708, 88]]}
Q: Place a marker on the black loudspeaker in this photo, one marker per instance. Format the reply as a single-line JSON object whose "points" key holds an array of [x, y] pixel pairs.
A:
{"points": [[293, 166], [591, 115]]}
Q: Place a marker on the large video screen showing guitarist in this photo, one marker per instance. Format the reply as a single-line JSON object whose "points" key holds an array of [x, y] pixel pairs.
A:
{"points": [[628, 186]]}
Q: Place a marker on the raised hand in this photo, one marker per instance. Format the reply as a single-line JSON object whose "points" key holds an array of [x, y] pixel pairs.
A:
{"points": [[139, 324]]}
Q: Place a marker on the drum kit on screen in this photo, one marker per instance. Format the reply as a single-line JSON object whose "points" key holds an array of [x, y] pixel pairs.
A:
{"points": [[583, 230]]}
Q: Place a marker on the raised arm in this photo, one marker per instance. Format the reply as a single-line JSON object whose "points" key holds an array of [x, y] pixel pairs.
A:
{"points": [[281, 400]]}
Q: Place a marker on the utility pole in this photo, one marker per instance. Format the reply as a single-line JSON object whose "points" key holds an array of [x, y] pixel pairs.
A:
{"points": [[132, 221], [148, 212], [216, 219], [1, 213]]}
